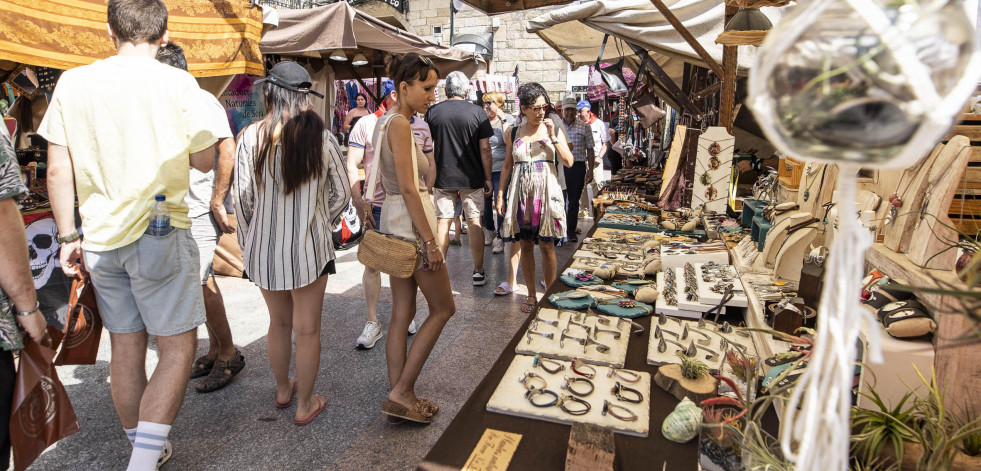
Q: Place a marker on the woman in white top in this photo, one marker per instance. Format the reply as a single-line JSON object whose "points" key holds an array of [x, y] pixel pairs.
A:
{"points": [[290, 183], [408, 213]]}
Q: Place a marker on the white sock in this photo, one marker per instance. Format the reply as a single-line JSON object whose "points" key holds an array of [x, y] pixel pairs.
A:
{"points": [[130, 434], [149, 442]]}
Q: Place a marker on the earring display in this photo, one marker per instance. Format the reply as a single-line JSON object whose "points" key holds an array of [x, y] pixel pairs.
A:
{"points": [[566, 335], [713, 168], [572, 398], [699, 338]]}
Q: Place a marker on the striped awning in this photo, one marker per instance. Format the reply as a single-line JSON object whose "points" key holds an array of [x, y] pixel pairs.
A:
{"points": [[219, 37]]}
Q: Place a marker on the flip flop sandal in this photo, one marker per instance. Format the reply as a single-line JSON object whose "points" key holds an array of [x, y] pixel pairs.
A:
{"points": [[418, 413], [908, 321], [528, 306], [283, 405], [202, 367], [323, 405], [222, 373], [503, 289]]}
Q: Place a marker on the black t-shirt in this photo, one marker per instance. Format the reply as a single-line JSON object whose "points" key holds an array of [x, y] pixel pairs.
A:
{"points": [[457, 127]]}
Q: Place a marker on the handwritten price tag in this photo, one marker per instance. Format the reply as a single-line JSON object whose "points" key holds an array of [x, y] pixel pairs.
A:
{"points": [[493, 451]]}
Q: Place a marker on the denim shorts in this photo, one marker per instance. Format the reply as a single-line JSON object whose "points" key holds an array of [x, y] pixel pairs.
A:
{"points": [[153, 284], [205, 232]]}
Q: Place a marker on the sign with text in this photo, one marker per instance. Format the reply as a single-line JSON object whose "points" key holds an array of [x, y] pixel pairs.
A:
{"points": [[242, 102], [493, 452]]}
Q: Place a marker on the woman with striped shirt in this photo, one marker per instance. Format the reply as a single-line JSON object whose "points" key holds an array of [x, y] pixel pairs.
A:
{"points": [[290, 183]]}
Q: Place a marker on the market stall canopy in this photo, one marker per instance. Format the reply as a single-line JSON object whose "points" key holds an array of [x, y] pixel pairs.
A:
{"points": [[576, 32], [319, 31], [497, 7], [219, 37]]}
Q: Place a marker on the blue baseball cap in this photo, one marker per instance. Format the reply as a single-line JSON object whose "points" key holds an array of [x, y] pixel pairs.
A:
{"points": [[387, 88], [583, 104]]}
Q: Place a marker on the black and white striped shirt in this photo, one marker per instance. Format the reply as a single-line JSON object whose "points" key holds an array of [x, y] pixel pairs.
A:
{"points": [[286, 239]]}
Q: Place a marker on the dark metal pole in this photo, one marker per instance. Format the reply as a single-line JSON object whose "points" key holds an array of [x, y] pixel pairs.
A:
{"points": [[452, 14]]}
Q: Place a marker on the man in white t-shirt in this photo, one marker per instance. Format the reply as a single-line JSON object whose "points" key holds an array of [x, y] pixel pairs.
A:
{"points": [[223, 361], [122, 131], [601, 141], [361, 150]]}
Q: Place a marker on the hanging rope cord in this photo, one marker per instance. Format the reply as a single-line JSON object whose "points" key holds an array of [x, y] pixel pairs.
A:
{"points": [[820, 429]]}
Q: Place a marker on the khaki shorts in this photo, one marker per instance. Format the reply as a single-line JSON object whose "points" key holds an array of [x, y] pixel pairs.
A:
{"points": [[153, 284], [473, 203], [205, 232]]}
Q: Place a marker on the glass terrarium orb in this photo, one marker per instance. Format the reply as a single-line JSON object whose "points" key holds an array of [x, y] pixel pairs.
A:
{"points": [[874, 82]]}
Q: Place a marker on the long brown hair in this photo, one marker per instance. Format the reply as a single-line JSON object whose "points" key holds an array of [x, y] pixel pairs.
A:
{"points": [[292, 123]]}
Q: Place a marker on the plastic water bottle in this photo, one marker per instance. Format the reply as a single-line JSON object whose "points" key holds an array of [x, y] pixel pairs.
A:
{"points": [[159, 217]]}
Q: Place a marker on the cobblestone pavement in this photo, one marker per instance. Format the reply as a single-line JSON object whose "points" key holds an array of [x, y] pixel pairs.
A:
{"points": [[239, 427]]}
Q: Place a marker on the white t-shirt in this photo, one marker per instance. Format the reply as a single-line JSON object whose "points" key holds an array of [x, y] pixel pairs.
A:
{"points": [[198, 197]]}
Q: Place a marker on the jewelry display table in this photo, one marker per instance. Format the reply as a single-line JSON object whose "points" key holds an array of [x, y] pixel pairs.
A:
{"points": [[544, 444]]}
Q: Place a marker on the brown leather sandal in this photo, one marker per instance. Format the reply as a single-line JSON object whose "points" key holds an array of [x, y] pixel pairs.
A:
{"points": [[222, 373], [418, 413], [528, 306], [202, 367]]}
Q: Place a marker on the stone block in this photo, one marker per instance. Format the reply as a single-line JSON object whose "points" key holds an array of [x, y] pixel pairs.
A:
{"points": [[533, 42], [530, 75], [530, 54], [533, 65], [428, 13], [443, 13], [507, 55]]}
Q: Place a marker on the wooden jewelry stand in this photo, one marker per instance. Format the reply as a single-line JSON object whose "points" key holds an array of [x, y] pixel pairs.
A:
{"points": [[933, 235], [776, 237], [899, 232], [790, 258], [722, 143]]}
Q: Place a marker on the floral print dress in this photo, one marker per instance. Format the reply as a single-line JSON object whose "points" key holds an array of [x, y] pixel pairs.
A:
{"points": [[535, 206]]}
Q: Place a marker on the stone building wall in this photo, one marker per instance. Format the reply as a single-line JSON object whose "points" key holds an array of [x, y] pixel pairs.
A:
{"points": [[537, 61]]}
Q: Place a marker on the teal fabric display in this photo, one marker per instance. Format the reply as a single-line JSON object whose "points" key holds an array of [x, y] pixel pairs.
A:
{"points": [[612, 308], [630, 286], [577, 281], [563, 301]]}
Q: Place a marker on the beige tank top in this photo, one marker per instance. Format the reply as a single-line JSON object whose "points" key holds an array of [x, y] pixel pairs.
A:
{"points": [[386, 161]]}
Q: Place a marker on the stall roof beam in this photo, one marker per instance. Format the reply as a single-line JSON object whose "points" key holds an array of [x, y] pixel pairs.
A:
{"points": [[680, 28], [661, 77]]}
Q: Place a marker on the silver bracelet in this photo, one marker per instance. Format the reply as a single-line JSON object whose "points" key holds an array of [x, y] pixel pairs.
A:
{"points": [[37, 307]]}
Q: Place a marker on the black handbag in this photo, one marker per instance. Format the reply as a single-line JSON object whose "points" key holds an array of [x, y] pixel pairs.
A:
{"points": [[612, 75]]}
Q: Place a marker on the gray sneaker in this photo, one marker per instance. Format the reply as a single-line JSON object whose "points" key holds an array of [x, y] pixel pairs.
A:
{"points": [[371, 333], [498, 245], [488, 237]]}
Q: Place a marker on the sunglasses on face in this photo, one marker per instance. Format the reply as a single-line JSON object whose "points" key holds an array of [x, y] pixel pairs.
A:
{"points": [[538, 108], [487, 103]]}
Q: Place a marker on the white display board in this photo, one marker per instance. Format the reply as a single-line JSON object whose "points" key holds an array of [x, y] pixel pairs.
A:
{"points": [[713, 168], [509, 398], [553, 348], [735, 340]]}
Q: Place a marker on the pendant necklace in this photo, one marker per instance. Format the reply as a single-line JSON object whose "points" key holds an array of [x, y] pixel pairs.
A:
{"points": [[895, 201], [807, 175]]}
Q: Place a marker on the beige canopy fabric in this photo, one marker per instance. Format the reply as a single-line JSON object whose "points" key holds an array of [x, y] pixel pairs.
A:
{"points": [[339, 26], [576, 31]]}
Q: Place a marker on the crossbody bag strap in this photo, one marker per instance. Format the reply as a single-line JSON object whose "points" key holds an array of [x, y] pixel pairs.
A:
{"points": [[373, 174], [602, 50]]}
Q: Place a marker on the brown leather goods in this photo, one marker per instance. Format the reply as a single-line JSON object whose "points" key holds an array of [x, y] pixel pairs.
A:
{"points": [[83, 325], [42, 414]]}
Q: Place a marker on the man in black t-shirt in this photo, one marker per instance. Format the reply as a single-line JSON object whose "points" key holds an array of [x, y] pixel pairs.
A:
{"points": [[461, 141]]}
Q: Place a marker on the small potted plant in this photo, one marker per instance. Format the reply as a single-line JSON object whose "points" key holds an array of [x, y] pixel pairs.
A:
{"points": [[689, 377], [743, 370]]}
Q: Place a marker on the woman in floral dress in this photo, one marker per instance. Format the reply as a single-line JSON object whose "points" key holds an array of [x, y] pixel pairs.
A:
{"points": [[535, 210]]}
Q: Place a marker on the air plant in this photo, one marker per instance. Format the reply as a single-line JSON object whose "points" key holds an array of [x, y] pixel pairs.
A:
{"points": [[874, 428], [742, 366], [692, 368]]}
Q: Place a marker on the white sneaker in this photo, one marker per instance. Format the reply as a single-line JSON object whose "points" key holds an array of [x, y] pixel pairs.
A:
{"points": [[165, 453], [413, 328], [371, 333], [488, 237], [498, 245]]}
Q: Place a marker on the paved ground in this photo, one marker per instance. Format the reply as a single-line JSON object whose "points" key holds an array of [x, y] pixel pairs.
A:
{"points": [[239, 427]]}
